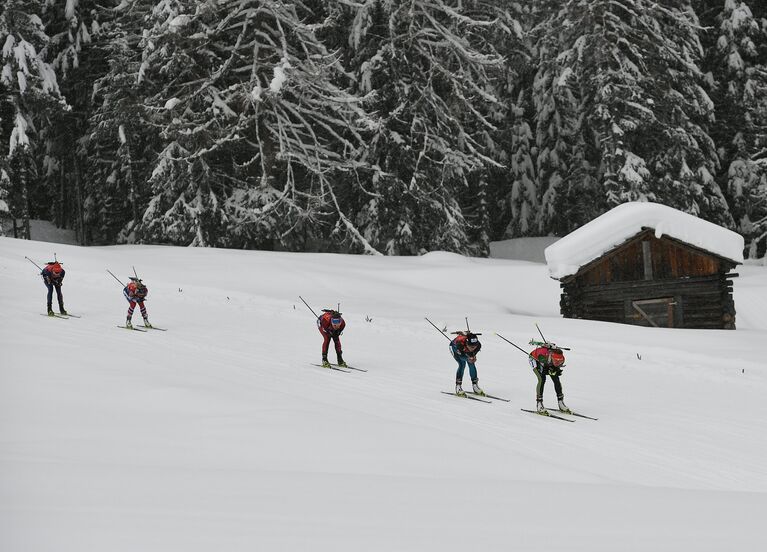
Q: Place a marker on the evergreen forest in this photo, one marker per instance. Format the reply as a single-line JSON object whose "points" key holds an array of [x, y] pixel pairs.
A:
{"points": [[391, 127]]}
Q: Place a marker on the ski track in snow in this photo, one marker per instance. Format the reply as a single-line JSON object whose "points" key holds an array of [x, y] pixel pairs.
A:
{"points": [[220, 434]]}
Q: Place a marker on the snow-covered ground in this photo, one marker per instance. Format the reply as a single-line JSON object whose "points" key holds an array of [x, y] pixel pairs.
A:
{"points": [[219, 434]]}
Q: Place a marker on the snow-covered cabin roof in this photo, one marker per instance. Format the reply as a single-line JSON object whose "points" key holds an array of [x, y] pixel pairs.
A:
{"points": [[592, 240]]}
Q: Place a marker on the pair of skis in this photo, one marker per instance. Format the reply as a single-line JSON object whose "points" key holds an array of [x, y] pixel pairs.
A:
{"points": [[64, 316], [477, 397], [143, 328], [483, 398], [338, 368], [548, 414]]}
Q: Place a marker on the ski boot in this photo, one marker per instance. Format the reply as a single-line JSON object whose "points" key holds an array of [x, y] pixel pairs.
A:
{"points": [[341, 362], [50, 312], [563, 407], [459, 390], [146, 323], [62, 310], [477, 389], [325, 363], [129, 324], [539, 408]]}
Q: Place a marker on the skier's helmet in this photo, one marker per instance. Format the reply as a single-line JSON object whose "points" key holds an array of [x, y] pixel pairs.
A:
{"points": [[336, 319], [55, 269], [472, 340]]}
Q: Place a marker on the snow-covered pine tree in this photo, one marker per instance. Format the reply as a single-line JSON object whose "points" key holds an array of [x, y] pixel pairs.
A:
{"points": [[512, 189], [72, 25], [427, 68], [5, 190], [29, 88], [685, 161], [556, 119], [257, 132], [628, 71], [737, 61], [522, 198], [121, 141]]}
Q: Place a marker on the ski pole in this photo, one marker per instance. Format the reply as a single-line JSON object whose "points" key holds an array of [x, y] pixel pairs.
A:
{"points": [[33, 262], [517, 346], [436, 328], [116, 278], [308, 307]]}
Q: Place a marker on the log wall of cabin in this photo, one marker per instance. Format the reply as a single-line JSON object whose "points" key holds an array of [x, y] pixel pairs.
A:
{"points": [[650, 268], [704, 302]]}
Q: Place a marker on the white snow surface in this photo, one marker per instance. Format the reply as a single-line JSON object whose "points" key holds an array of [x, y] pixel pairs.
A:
{"points": [[220, 434], [594, 239]]}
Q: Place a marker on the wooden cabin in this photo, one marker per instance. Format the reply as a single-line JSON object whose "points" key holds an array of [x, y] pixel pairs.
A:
{"points": [[654, 281]]}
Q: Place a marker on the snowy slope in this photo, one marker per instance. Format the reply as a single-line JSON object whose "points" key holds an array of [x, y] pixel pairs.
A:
{"points": [[220, 435]]}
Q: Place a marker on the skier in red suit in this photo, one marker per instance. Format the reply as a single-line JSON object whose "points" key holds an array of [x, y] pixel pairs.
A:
{"points": [[331, 325], [135, 293], [548, 360]]}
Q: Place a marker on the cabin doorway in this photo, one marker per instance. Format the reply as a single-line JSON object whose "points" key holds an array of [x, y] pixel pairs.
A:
{"points": [[657, 313]]}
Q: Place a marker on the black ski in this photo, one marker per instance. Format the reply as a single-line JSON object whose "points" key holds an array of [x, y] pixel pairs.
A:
{"points": [[549, 415], [467, 397], [352, 368], [571, 413], [488, 396], [54, 315], [133, 328], [155, 328], [332, 367], [72, 315]]}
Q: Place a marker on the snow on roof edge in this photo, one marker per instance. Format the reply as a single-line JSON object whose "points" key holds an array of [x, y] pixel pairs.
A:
{"points": [[592, 240]]}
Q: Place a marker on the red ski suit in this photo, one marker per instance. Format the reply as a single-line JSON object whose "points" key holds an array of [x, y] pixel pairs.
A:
{"points": [[135, 294], [328, 333]]}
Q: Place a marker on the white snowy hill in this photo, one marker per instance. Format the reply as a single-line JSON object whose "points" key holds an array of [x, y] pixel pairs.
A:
{"points": [[220, 434]]}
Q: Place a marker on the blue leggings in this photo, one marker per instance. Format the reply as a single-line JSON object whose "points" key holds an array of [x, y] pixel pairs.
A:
{"points": [[462, 362], [58, 295]]}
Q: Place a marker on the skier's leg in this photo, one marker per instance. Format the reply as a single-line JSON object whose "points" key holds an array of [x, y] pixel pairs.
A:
{"points": [[144, 314], [337, 344], [540, 385], [131, 307], [60, 297], [461, 367], [325, 345], [473, 372], [557, 387], [50, 296]]}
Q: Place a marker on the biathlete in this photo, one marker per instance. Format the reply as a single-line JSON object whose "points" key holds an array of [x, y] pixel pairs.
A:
{"points": [[53, 277], [331, 325], [135, 293], [547, 360], [464, 349]]}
